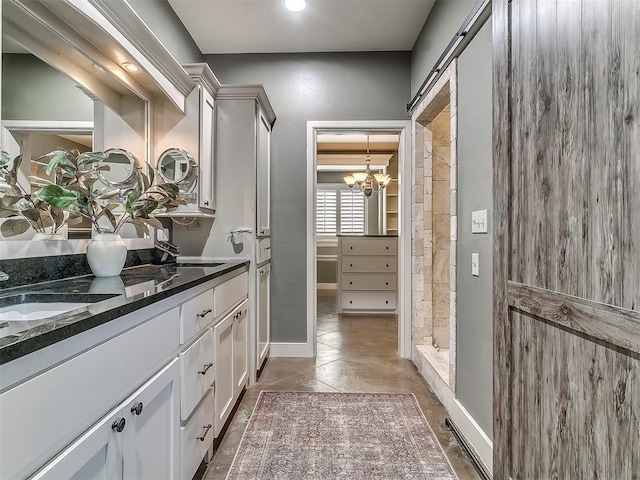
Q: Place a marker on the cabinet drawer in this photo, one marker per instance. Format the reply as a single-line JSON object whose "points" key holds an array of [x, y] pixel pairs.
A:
{"points": [[369, 264], [197, 373], [230, 293], [263, 250], [358, 281], [195, 315], [369, 246], [369, 300], [196, 437]]}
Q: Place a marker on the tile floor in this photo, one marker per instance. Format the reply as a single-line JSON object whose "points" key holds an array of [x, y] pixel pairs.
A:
{"points": [[355, 354]]}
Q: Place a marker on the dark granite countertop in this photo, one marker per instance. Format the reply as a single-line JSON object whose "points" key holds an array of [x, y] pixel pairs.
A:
{"points": [[108, 298]]}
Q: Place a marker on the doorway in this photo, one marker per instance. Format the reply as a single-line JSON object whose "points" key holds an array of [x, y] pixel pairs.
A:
{"points": [[384, 217]]}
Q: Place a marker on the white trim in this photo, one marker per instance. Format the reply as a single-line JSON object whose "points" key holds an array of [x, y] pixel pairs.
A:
{"points": [[328, 286], [52, 126], [284, 349], [403, 127], [473, 434]]}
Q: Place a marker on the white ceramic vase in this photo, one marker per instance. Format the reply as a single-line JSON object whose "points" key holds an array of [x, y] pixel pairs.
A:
{"points": [[106, 254]]}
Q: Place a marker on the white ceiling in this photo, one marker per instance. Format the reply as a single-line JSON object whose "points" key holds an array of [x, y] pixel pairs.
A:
{"points": [[264, 26]]}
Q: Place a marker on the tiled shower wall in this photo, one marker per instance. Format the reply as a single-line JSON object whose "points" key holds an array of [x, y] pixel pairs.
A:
{"points": [[434, 217]]}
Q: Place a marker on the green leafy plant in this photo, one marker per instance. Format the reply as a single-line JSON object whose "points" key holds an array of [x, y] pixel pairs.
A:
{"points": [[78, 191], [21, 209]]}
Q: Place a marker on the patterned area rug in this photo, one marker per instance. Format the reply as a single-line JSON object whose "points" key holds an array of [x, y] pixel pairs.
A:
{"points": [[323, 436]]}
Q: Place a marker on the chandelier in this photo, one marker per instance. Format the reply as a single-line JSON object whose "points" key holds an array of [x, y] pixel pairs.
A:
{"points": [[366, 181]]}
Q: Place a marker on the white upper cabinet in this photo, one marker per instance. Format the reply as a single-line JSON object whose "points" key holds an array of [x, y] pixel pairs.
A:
{"points": [[263, 176]]}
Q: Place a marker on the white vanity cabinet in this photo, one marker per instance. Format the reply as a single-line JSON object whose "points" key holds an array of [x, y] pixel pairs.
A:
{"points": [[263, 175], [136, 440], [232, 352], [263, 282]]}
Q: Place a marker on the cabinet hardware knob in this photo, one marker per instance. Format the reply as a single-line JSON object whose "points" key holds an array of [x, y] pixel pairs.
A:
{"points": [[351, 264], [205, 312], [351, 248], [118, 425], [387, 265], [386, 283], [350, 301], [387, 302], [205, 430], [137, 408], [350, 283], [207, 366], [206, 202], [387, 248], [267, 248]]}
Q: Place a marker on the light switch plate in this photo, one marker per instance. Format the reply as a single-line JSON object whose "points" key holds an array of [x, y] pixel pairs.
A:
{"points": [[475, 264], [479, 221]]}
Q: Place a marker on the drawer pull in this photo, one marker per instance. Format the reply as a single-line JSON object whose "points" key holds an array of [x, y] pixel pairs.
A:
{"points": [[351, 248], [387, 265], [350, 301], [350, 283], [205, 430], [386, 283], [205, 313], [137, 408], [351, 264], [387, 302], [207, 366], [118, 425], [387, 248]]}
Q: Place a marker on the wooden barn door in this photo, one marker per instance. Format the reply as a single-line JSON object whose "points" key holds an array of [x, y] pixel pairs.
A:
{"points": [[567, 226]]}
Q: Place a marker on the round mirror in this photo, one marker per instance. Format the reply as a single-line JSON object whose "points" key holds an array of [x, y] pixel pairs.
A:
{"points": [[121, 165], [178, 167]]}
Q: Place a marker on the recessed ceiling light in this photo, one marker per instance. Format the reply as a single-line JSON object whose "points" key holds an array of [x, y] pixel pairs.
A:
{"points": [[295, 5], [131, 67]]}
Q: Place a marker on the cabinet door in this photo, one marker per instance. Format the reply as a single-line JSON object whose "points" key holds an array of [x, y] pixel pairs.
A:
{"points": [[97, 454], [224, 387], [262, 312], [152, 440], [263, 167], [207, 160], [240, 348]]}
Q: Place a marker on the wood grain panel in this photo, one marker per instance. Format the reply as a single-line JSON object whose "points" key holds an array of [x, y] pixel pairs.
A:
{"points": [[567, 237], [614, 325], [501, 92], [576, 406]]}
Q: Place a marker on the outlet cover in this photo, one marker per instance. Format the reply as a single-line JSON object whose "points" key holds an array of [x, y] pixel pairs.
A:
{"points": [[479, 221], [475, 264]]}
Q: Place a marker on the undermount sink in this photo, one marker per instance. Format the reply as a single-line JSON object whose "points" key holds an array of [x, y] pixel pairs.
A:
{"points": [[37, 306]]}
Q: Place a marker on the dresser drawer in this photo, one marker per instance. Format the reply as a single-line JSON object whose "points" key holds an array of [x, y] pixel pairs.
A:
{"points": [[263, 250], [196, 314], [369, 300], [230, 294], [196, 372], [196, 437], [358, 281], [369, 264], [369, 246]]}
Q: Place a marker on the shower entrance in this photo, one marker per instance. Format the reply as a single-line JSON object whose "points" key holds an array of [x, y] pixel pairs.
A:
{"points": [[434, 238]]}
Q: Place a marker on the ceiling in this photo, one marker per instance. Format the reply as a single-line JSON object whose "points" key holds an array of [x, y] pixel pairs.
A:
{"points": [[264, 26]]}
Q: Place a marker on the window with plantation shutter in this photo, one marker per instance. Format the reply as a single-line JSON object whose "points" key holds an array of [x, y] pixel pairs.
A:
{"points": [[326, 213], [352, 212]]}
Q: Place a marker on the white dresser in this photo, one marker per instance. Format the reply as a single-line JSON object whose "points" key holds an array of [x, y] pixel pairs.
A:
{"points": [[367, 274]]}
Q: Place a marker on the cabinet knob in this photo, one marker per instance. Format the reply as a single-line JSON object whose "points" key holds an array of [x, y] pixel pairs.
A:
{"points": [[386, 283], [205, 430], [387, 248], [351, 264], [137, 408], [387, 302], [118, 425], [350, 301], [205, 312], [206, 202], [387, 265], [350, 283], [351, 248], [207, 366]]}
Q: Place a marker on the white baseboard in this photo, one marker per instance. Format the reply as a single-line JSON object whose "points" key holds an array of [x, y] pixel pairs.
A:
{"points": [[475, 436], [291, 350]]}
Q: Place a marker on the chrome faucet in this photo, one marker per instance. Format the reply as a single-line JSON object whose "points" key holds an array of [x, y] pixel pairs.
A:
{"points": [[3, 277]]}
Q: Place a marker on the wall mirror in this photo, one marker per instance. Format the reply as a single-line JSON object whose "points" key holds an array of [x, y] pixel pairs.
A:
{"points": [[178, 167]]}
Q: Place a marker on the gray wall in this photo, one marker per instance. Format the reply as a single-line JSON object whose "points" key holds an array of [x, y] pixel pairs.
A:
{"points": [[474, 294], [33, 90], [165, 24], [443, 22], [303, 87]]}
